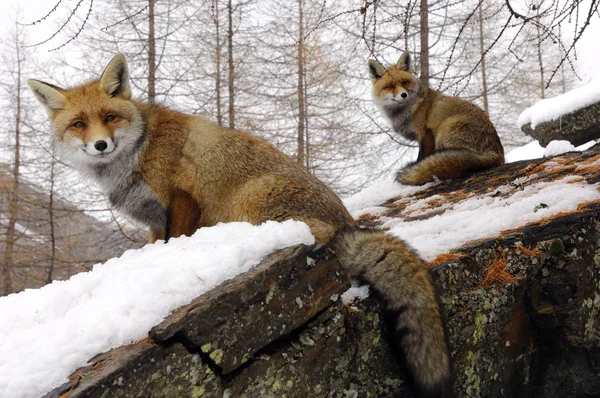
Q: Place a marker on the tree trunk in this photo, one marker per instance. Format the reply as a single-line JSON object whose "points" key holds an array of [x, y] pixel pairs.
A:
{"points": [[151, 54], [51, 219], [539, 51], [218, 65], [13, 208], [301, 110], [424, 34], [482, 51], [231, 66]]}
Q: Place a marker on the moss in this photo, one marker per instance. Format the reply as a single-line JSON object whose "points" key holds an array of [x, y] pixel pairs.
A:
{"points": [[557, 247]]}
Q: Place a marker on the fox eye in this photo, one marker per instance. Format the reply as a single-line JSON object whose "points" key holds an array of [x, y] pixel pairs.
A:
{"points": [[110, 118], [404, 82], [79, 125]]}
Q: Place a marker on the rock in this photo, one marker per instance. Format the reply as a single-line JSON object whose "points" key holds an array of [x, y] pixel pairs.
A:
{"points": [[578, 127], [522, 309], [142, 369], [231, 323]]}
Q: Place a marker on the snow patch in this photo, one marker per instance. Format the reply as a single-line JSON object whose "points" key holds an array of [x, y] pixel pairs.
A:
{"points": [[534, 150], [47, 333], [355, 293], [558, 147]]}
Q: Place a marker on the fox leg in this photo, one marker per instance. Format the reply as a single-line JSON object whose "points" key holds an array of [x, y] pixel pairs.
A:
{"points": [[156, 234], [183, 214], [426, 145]]}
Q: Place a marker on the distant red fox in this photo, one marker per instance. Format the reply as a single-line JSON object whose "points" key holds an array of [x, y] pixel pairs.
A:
{"points": [[455, 136], [176, 173]]}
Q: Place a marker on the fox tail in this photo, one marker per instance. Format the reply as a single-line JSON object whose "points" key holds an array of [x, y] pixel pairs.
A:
{"points": [[403, 280], [448, 164]]}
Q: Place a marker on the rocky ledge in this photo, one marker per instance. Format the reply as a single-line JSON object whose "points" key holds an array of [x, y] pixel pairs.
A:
{"points": [[522, 310], [578, 127]]}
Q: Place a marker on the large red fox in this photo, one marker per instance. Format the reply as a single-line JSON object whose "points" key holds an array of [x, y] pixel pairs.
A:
{"points": [[176, 173], [455, 136]]}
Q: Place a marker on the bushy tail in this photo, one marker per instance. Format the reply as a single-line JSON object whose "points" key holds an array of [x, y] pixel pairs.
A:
{"points": [[448, 164], [403, 280]]}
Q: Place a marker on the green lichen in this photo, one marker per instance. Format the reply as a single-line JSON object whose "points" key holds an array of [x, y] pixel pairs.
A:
{"points": [[480, 322], [206, 348], [376, 339], [473, 382], [276, 385], [269, 296], [197, 392], [217, 356]]}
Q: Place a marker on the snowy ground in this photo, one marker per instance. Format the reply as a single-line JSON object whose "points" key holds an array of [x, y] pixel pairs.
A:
{"points": [[47, 333]]}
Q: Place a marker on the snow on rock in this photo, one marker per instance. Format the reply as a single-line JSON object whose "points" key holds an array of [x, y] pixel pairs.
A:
{"points": [[47, 333], [534, 150], [356, 292], [553, 108], [558, 147], [484, 216], [367, 200]]}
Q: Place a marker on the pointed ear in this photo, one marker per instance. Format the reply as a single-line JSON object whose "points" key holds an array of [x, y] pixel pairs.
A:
{"points": [[404, 63], [49, 95], [115, 78], [376, 70]]}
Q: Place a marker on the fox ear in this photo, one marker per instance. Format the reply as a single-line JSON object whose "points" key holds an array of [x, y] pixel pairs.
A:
{"points": [[49, 95], [376, 70], [115, 78], [404, 63]]}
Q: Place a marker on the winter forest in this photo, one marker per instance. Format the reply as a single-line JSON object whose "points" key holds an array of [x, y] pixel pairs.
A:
{"points": [[294, 72]]}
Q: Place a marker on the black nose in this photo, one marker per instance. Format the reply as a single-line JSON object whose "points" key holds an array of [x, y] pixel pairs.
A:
{"points": [[404, 95], [100, 145]]}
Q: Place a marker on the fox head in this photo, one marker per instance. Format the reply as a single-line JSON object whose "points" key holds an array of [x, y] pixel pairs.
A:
{"points": [[395, 86], [95, 121]]}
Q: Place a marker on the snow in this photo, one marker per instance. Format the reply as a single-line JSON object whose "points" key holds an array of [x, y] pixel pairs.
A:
{"points": [[367, 200], [553, 108], [534, 150], [558, 147], [356, 292], [47, 333], [483, 216]]}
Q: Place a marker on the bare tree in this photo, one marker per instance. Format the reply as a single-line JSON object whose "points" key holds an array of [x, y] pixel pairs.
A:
{"points": [[16, 68]]}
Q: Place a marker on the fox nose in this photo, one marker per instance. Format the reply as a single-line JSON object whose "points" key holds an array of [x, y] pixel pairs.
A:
{"points": [[404, 95], [100, 145]]}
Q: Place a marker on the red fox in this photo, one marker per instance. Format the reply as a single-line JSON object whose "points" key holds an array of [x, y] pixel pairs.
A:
{"points": [[176, 173], [455, 136]]}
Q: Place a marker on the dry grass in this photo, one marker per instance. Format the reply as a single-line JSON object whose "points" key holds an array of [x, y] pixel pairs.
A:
{"points": [[496, 274], [529, 252], [445, 257], [79, 375]]}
